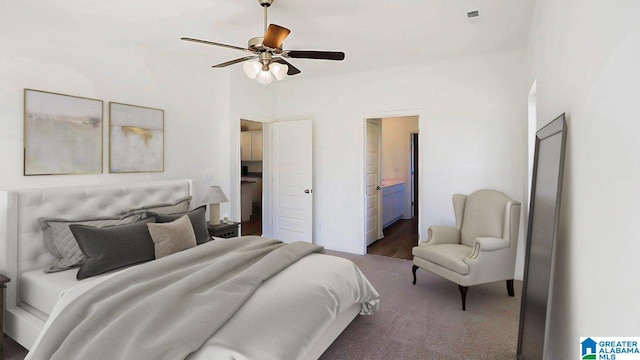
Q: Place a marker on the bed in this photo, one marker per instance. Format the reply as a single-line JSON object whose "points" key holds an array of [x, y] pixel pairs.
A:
{"points": [[281, 319]]}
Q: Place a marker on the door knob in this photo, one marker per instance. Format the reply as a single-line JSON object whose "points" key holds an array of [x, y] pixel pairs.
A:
{"points": [[378, 188], [306, 191]]}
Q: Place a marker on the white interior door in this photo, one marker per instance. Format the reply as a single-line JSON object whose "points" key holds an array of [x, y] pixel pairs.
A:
{"points": [[373, 193], [292, 181]]}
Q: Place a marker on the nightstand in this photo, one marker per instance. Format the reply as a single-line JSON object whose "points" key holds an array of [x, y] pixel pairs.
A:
{"points": [[223, 230], [3, 281]]}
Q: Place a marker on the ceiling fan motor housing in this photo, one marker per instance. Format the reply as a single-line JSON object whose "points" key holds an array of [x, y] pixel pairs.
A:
{"points": [[256, 43]]}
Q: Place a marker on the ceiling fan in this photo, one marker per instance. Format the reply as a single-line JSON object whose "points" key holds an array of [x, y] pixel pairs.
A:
{"points": [[267, 59]]}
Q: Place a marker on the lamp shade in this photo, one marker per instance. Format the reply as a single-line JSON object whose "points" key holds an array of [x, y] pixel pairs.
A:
{"points": [[278, 70], [264, 77], [252, 68], [215, 195]]}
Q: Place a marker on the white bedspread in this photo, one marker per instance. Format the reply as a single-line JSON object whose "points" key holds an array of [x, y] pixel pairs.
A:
{"points": [[41, 290], [287, 314]]}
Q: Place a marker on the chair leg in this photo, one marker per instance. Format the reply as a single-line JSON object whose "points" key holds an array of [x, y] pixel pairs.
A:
{"points": [[510, 288], [413, 269], [463, 292]]}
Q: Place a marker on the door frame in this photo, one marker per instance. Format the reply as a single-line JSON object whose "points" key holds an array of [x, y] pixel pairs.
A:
{"points": [[414, 158], [236, 169], [363, 164]]}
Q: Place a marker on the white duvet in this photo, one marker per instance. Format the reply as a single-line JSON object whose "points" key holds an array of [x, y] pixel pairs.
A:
{"points": [[284, 317]]}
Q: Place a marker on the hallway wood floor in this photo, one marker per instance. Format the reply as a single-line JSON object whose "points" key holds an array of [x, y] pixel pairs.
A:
{"points": [[399, 238], [254, 225]]}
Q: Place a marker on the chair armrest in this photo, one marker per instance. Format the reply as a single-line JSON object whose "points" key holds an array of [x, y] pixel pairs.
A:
{"points": [[488, 244], [439, 234]]}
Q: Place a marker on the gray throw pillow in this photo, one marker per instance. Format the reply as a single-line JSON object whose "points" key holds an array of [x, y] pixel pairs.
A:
{"points": [[113, 247], [198, 221], [62, 244], [169, 238], [179, 206]]}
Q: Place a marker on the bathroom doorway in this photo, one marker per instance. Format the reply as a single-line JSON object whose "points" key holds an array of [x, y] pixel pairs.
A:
{"points": [[392, 191]]}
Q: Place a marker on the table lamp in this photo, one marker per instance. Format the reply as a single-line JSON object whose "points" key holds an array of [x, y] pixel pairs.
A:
{"points": [[214, 197]]}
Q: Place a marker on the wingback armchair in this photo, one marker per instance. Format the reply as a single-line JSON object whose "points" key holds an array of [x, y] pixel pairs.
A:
{"points": [[480, 249]]}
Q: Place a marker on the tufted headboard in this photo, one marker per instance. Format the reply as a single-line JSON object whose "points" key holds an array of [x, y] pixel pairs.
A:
{"points": [[21, 236]]}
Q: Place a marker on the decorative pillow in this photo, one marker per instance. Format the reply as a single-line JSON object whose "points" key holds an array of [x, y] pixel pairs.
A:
{"points": [[113, 247], [169, 238], [61, 243], [198, 221], [180, 206]]}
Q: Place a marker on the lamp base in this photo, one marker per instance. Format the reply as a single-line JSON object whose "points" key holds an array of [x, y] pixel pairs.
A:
{"points": [[214, 214]]}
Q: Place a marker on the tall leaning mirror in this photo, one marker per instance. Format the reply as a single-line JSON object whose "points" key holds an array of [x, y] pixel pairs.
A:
{"points": [[544, 211]]}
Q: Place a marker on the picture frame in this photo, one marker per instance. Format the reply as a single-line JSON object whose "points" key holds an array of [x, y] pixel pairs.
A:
{"points": [[62, 134], [136, 138]]}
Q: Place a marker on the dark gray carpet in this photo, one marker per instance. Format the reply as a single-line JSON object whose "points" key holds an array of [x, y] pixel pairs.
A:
{"points": [[425, 321], [422, 321]]}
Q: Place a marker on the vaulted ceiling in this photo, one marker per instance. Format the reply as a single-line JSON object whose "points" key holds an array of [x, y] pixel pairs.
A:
{"points": [[372, 33]]}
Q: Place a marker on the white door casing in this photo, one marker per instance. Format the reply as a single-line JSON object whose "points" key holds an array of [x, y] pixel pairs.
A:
{"points": [[373, 193], [292, 181]]}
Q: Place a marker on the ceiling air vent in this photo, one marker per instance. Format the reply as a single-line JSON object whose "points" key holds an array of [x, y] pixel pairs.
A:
{"points": [[473, 14]]}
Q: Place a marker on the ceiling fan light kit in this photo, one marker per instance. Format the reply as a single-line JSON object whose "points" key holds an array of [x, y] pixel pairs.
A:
{"points": [[252, 68], [264, 69], [268, 59], [264, 77], [278, 70]]}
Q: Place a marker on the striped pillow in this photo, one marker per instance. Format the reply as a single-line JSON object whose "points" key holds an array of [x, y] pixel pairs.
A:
{"points": [[63, 245]]}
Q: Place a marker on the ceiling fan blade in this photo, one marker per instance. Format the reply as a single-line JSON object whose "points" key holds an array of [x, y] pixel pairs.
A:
{"points": [[213, 43], [292, 69], [235, 61], [275, 35], [310, 54]]}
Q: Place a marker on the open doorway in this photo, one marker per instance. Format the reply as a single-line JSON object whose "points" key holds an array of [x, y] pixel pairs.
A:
{"points": [[392, 191], [251, 150]]}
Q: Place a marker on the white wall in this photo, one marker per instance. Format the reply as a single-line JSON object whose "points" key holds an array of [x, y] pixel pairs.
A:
{"points": [[57, 51], [396, 140], [396, 153], [584, 55], [52, 49], [473, 115]]}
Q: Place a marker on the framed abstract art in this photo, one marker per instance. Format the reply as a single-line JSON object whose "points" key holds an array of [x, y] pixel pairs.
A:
{"points": [[62, 134], [136, 138]]}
